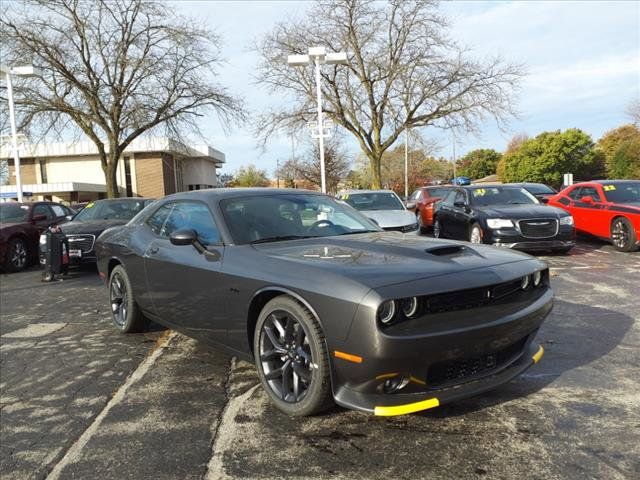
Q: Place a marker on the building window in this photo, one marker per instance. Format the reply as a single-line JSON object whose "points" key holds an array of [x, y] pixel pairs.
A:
{"points": [[43, 170], [199, 186], [127, 176]]}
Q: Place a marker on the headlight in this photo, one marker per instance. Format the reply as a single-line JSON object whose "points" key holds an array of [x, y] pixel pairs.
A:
{"points": [[495, 223], [568, 220], [537, 277], [409, 306], [43, 239], [526, 280], [387, 312], [410, 228]]}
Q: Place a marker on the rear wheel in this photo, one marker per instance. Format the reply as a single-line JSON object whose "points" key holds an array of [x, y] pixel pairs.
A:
{"points": [[421, 226], [125, 313], [17, 256], [475, 234], [623, 236], [291, 358]]}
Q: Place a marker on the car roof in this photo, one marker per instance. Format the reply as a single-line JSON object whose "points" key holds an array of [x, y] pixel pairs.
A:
{"points": [[104, 200], [221, 193], [489, 185], [355, 192], [611, 181]]}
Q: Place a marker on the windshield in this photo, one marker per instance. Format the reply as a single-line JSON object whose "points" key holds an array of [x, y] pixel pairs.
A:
{"points": [[264, 218], [539, 189], [110, 210], [12, 213], [628, 192], [373, 201], [501, 196]]}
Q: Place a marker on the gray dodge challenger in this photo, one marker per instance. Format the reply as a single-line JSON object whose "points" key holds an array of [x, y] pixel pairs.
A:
{"points": [[329, 307]]}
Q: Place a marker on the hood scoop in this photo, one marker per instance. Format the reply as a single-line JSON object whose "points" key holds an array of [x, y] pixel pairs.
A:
{"points": [[445, 250]]}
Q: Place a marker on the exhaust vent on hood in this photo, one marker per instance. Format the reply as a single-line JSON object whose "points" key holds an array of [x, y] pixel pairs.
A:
{"points": [[445, 250]]}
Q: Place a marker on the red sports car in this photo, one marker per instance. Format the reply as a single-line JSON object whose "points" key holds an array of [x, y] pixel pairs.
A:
{"points": [[422, 203], [607, 209]]}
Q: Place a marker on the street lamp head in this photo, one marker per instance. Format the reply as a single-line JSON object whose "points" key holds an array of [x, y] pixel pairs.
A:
{"points": [[298, 60], [336, 58], [23, 71]]}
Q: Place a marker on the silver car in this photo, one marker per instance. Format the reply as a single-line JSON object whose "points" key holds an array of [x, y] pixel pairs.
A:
{"points": [[382, 206]]}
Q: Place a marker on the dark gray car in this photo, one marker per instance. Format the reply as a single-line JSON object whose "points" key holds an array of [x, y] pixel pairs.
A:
{"points": [[327, 305]]}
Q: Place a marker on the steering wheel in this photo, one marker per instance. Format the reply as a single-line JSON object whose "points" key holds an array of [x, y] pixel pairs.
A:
{"points": [[321, 224]]}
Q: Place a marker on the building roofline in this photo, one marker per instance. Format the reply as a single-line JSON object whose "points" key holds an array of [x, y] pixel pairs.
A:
{"points": [[139, 145]]}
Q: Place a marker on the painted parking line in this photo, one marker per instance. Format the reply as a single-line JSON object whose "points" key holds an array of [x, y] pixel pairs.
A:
{"points": [[75, 449]]}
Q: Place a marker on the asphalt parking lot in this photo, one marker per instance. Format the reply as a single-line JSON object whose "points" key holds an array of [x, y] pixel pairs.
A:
{"points": [[79, 400]]}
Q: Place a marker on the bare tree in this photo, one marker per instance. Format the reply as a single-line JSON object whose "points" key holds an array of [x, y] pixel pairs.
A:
{"points": [[404, 72], [307, 168], [633, 111], [114, 70]]}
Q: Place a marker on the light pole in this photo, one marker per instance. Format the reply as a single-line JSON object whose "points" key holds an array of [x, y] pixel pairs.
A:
{"points": [[319, 56], [26, 71], [406, 163]]}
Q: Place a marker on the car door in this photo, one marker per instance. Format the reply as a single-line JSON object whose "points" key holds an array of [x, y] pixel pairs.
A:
{"points": [[186, 287], [584, 213], [444, 212], [459, 216], [42, 216]]}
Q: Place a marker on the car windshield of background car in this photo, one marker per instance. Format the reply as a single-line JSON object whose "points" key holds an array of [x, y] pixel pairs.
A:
{"points": [[502, 196]]}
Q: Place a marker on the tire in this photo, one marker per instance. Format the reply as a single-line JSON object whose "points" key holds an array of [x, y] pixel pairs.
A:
{"points": [[125, 313], [623, 236], [421, 227], [17, 256], [281, 353], [475, 233], [437, 228]]}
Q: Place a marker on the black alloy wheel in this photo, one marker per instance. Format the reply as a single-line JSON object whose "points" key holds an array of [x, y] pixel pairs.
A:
{"points": [[125, 313], [291, 358], [623, 236]]}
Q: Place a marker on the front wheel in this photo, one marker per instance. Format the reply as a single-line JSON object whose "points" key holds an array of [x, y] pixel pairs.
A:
{"points": [[17, 256], [475, 234], [623, 236], [291, 358], [437, 228], [125, 313]]}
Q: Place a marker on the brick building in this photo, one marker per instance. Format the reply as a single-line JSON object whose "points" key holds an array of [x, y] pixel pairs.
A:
{"points": [[149, 167]]}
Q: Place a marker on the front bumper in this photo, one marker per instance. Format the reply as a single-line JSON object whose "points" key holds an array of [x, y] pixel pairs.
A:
{"points": [[511, 238], [461, 354]]}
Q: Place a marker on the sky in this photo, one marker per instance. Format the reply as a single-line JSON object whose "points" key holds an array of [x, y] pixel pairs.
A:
{"points": [[582, 61]]}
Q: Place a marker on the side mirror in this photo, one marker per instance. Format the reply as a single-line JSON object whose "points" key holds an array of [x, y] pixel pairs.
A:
{"points": [[183, 237], [587, 199], [38, 218], [411, 205], [543, 200], [459, 204], [68, 217]]}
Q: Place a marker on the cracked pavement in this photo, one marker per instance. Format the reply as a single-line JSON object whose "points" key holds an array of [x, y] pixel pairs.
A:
{"points": [[79, 400]]}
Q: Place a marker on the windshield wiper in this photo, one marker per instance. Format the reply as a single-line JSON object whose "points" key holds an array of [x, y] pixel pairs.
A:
{"points": [[281, 238]]}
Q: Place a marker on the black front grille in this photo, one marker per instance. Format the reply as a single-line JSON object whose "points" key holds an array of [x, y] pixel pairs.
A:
{"points": [[81, 242], [407, 228], [539, 227], [471, 298], [457, 371]]}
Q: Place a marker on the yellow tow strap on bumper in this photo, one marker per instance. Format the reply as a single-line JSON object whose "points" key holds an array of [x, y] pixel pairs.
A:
{"points": [[408, 408], [538, 355]]}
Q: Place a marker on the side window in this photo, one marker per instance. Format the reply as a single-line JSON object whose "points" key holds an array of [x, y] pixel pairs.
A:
{"points": [[416, 195], [42, 210], [576, 194], [196, 216], [58, 210], [591, 192], [448, 199], [157, 220], [460, 197]]}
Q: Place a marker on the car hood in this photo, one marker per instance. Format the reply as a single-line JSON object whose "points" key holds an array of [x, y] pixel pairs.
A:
{"points": [[390, 218], [385, 258], [521, 211], [94, 227]]}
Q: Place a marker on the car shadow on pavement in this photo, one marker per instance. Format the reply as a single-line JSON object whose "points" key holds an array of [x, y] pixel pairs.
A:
{"points": [[574, 336]]}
